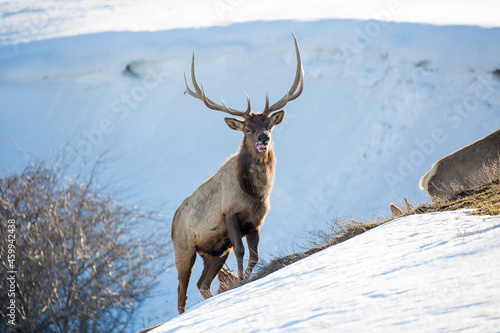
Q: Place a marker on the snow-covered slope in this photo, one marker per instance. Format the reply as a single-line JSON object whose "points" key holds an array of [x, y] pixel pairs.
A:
{"points": [[423, 273], [382, 101]]}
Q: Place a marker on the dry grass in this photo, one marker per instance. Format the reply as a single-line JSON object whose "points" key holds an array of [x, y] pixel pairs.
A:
{"points": [[227, 279], [338, 231], [484, 199], [489, 173]]}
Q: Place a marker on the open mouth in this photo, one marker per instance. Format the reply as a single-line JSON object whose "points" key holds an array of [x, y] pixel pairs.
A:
{"points": [[261, 147]]}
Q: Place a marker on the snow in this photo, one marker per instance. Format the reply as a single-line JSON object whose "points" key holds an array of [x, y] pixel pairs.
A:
{"points": [[383, 100], [28, 20], [433, 272]]}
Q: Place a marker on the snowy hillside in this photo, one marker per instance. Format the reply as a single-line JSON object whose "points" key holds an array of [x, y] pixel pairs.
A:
{"points": [[422, 273], [382, 101]]}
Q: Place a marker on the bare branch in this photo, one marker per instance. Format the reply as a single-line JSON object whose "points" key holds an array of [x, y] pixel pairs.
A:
{"points": [[83, 265]]}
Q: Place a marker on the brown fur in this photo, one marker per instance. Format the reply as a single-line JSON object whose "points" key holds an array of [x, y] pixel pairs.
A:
{"points": [[396, 211], [463, 169], [409, 207], [232, 204]]}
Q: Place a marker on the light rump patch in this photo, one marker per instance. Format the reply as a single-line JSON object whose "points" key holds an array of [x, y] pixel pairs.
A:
{"points": [[471, 166]]}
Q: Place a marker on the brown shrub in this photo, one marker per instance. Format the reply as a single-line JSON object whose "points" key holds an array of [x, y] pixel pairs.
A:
{"points": [[81, 262]]}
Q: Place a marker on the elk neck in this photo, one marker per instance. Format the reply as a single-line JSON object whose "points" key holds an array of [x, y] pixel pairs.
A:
{"points": [[256, 170]]}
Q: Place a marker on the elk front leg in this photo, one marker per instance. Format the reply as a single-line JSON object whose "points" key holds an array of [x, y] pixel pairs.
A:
{"points": [[234, 231], [253, 246]]}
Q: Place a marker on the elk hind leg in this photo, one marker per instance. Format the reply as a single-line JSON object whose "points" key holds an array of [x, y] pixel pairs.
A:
{"points": [[184, 263], [212, 266]]}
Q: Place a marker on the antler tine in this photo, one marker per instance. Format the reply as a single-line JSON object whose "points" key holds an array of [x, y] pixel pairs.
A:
{"points": [[247, 111], [297, 83], [249, 107], [266, 108], [199, 93]]}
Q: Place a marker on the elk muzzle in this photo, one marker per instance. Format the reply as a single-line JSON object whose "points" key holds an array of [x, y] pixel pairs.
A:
{"points": [[262, 143]]}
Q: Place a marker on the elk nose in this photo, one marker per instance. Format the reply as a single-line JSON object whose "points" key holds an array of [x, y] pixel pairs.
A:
{"points": [[264, 138]]}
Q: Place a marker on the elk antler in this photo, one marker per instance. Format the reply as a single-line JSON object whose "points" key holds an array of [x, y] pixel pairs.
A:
{"points": [[200, 94], [290, 94]]}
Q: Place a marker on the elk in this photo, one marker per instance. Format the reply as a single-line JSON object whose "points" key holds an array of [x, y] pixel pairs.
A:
{"points": [[397, 212], [468, 167], [233, 203]]}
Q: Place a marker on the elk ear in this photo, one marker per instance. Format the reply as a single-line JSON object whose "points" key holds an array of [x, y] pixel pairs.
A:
{"points": [[235, 124], [277, 117]]}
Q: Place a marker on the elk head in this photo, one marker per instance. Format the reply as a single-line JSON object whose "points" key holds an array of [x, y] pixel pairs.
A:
{"points": [[257, 127]]}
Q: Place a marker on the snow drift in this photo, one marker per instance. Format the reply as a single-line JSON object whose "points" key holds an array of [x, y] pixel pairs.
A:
{"points": [[434, 272]]}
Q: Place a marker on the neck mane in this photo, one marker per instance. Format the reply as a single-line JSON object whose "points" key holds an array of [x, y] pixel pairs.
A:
{"points": [[256, 170]]}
